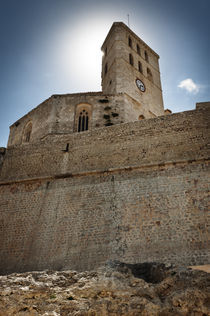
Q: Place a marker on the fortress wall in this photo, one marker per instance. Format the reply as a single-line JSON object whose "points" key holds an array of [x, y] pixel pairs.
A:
{"points": [[154, 214], [83, 214], [173, 138]]}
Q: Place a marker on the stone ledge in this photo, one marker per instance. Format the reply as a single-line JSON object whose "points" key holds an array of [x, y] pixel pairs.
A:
{"points": [[158, 166]]}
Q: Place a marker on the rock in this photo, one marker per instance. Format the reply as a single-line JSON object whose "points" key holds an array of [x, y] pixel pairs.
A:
{"points": [[114, 289]]}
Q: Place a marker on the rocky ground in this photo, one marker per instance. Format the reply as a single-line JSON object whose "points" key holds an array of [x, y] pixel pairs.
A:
{"points": [[115, 289]]}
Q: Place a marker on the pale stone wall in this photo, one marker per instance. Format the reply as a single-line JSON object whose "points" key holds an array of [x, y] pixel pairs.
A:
{"points": [[121, 76], [57, 115], [41, 117], [134, 192]]}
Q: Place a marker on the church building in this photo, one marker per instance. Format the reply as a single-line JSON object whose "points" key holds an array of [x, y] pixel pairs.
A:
{"points": [[89, 177], [131, 91]]}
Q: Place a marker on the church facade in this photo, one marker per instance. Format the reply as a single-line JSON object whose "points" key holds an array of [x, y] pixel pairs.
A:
{"points": [[95, 176]]}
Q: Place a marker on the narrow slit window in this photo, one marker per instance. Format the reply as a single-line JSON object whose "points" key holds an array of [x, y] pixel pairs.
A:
{"points": [[86, 122], [79, 123], [138, 49], [140, 66], [83, 123], [131, 59], [130, 44], [146, 56]]}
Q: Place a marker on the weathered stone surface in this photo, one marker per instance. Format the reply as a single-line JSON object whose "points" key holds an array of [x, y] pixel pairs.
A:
{"points": [[136, 191], [121, 75], [111, 290]]}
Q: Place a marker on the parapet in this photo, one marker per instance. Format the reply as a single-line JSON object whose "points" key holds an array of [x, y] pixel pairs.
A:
{"points": [[202, 105]]}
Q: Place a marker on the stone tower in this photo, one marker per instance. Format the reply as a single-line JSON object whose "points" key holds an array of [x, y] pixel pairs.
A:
{"points": [[130, 66]]}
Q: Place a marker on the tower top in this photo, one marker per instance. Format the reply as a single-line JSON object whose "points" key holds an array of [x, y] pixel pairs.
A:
{"points": [[126, 28], [130, 66]]}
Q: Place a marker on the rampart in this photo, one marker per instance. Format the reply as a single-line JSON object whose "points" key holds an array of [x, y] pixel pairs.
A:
{"points": [[134, 192]]}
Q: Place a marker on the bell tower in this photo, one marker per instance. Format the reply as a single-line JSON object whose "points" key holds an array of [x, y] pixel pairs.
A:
{"points": [[130, 66]]}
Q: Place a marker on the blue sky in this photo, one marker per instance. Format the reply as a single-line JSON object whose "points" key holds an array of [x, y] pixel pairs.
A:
{"points": [[53, 47]]}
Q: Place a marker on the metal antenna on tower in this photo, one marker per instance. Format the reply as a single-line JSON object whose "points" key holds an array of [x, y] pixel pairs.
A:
{"points": [[128, 20]]}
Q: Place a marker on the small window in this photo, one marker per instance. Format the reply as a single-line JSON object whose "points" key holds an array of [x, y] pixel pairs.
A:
{"points": [[131, 59], [149, 74], [27, 136], [130, 42], [27, 133], [105, 69], [141, 117], [140, 66], [146, 56], [138, 49]]}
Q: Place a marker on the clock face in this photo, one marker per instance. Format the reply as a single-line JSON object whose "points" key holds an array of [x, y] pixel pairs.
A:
{"points": [[140, 85]]}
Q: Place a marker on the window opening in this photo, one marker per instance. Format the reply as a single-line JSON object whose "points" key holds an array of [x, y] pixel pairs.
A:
{"points": [[130, 42], [27, 133], [140, 66], [131, 59], [146, 56], [138, 49], [83, 121]]}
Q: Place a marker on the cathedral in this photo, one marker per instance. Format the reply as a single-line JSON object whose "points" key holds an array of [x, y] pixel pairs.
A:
{"points": [[89, 177], [131, 91]]}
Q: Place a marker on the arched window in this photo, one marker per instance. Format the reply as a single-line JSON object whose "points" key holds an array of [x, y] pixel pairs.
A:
{"points": [[82, 117], [141, 117], [149, 74], [140, 66], [138, 49], [83, 121], [129, 42], [27, 132], [131, 59], [146, 56]]}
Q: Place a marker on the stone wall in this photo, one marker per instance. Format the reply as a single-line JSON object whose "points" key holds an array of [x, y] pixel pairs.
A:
{"points": [[41, 118], [121, 76], [134, 192], [167, 139], [57, 115]]}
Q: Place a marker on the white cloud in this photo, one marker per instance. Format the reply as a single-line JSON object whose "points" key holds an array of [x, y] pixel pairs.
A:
{"points": [[189, 85]]}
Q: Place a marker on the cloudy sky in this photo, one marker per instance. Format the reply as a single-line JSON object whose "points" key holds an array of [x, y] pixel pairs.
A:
{"points": [[53, 47]]}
